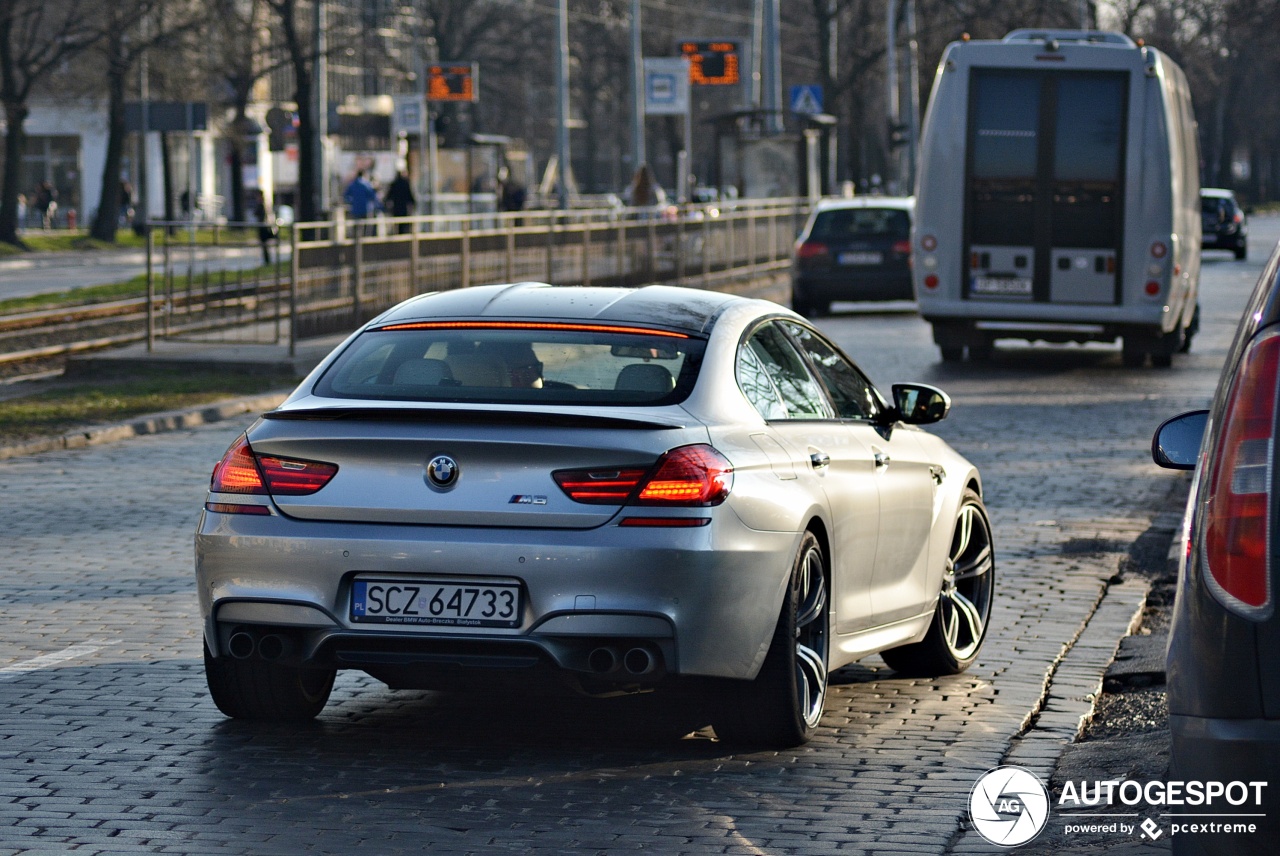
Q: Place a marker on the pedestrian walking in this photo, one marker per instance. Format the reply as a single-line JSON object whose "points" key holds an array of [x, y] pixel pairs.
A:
{"points": [[399, 199], [361, 198], [268, 233], [46, 203]]}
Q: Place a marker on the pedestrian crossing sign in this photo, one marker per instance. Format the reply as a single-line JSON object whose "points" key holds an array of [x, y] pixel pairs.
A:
{"points": [[806, 100]]}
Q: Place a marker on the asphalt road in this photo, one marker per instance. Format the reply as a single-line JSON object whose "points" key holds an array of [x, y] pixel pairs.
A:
{"points": [[44, 273], [109, 743]]}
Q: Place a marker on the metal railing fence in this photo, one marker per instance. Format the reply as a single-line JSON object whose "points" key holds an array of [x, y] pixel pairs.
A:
{"points": [[327, 277]]}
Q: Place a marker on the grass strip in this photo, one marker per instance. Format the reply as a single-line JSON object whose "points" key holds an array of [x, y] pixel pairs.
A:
{"points": [[65, 408]]}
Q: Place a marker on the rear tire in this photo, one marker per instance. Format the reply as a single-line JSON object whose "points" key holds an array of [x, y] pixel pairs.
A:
{"points": [[1242, 253], [264, 691], [963, 613], [783, 705], [952, 353]]}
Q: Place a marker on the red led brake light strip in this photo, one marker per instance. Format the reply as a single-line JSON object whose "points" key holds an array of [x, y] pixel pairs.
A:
{"points": [[530, 325]]}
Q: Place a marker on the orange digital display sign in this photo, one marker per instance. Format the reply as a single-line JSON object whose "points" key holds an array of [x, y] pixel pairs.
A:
{"points": [[456, 82], [712, 63]]}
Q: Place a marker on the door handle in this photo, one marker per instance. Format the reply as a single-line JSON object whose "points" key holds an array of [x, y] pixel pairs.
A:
{"points": [[820, 460], [882, 460]]}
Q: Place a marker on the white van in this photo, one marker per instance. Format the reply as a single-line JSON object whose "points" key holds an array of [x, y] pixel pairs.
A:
{"points": [[1058, 196]]}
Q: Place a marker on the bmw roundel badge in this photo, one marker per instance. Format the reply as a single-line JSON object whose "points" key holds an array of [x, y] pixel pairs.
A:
{"points": [[442, 472]]}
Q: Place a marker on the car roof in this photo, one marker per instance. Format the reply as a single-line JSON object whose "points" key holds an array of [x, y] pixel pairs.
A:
{"points": [[1217, 192], [687, 309], [903, 203]]}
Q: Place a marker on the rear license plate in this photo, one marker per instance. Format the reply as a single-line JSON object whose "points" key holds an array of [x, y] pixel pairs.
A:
{"points": [[1004, 286], [861, 258], [435, 602]]}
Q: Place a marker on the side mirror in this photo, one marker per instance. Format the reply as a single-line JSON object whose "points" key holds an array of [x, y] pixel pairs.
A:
{"points": [[920, 404], [1176, 444]]}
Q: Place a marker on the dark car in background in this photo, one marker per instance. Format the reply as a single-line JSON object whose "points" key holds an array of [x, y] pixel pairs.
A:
{"points": [[853, 249], [1223, 222], [1224, 646]]}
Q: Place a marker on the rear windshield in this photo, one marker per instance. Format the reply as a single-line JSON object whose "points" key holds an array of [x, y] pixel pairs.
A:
{"points": [[861, 222], [495, 364], [1217, 206]]}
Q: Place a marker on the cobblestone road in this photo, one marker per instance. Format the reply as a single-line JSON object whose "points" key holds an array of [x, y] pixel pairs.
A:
{"points": [[108, 742]]}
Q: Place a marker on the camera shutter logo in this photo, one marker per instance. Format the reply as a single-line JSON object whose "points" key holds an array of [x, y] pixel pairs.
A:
{"points": [[1009, 806]]}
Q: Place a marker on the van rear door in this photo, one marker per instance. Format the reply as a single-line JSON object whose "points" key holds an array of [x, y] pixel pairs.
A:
{"points": [[1044, 197]]}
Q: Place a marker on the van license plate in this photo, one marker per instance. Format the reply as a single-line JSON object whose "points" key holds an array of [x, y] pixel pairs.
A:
{"points": [[1003, 286], [861, 258], [438, 603]]}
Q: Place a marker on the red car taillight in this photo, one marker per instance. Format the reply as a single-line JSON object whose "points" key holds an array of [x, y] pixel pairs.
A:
{"points": [[687, 476], [902, 248], [243, 471], [599, 487], [812, 251], [1237, 515], [237, 472]]}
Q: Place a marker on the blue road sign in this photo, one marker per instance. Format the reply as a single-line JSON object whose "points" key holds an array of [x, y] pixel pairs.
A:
{"points": [[806, 100]]}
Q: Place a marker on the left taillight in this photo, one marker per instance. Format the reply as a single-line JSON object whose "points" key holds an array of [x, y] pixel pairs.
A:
{"points": [[243, 471], [1238, 513]]}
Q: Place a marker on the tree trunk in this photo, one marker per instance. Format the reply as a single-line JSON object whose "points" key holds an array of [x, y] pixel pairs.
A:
{"points": [[107, 219], [166, 176], [235, 165], [15, 144]]}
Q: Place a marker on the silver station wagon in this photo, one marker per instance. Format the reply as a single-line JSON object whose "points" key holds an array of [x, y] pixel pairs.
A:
{"points": [[623, 489]]}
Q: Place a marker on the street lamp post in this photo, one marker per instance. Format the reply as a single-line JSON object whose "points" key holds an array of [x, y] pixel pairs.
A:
{"points": [[562, 106]]}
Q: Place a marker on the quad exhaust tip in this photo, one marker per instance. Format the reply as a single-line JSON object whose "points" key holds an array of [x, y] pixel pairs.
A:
{"points": [[272, 646], [638, 661]]}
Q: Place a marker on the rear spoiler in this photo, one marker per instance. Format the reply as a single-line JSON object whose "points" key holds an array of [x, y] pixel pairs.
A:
{"points": [[555, 419]]}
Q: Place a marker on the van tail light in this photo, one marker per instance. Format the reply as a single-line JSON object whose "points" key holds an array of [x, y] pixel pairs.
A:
{"points": [[812, 251], [687, 476], [1237, 218], [241, 470], [1237, 515]]}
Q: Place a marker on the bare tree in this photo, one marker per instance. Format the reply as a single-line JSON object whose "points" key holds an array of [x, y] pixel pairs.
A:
{"points": [[245, 52], [129, 29], [36, 38]]}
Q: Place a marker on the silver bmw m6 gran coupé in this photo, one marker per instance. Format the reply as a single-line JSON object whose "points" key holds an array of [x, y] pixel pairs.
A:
{"points": [[627, 489]]}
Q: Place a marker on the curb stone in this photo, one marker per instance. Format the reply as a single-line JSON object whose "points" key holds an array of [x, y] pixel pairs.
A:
{"points": [[156, 423]]}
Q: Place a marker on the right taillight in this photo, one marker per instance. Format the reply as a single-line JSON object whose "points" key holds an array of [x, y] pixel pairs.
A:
{"points": [[1238, 513], [695, 475]]}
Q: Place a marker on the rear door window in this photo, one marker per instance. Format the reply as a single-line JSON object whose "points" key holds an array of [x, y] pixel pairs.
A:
{"points": [[775, 379]]}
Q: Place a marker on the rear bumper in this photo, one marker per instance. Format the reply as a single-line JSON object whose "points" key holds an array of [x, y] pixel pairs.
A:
{"points": [[703, 600], [856, 286], [1233, 241], [1228, 750]]}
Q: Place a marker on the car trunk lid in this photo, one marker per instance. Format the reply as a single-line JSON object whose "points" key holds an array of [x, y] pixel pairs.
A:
{"points": [[452, 467]]}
